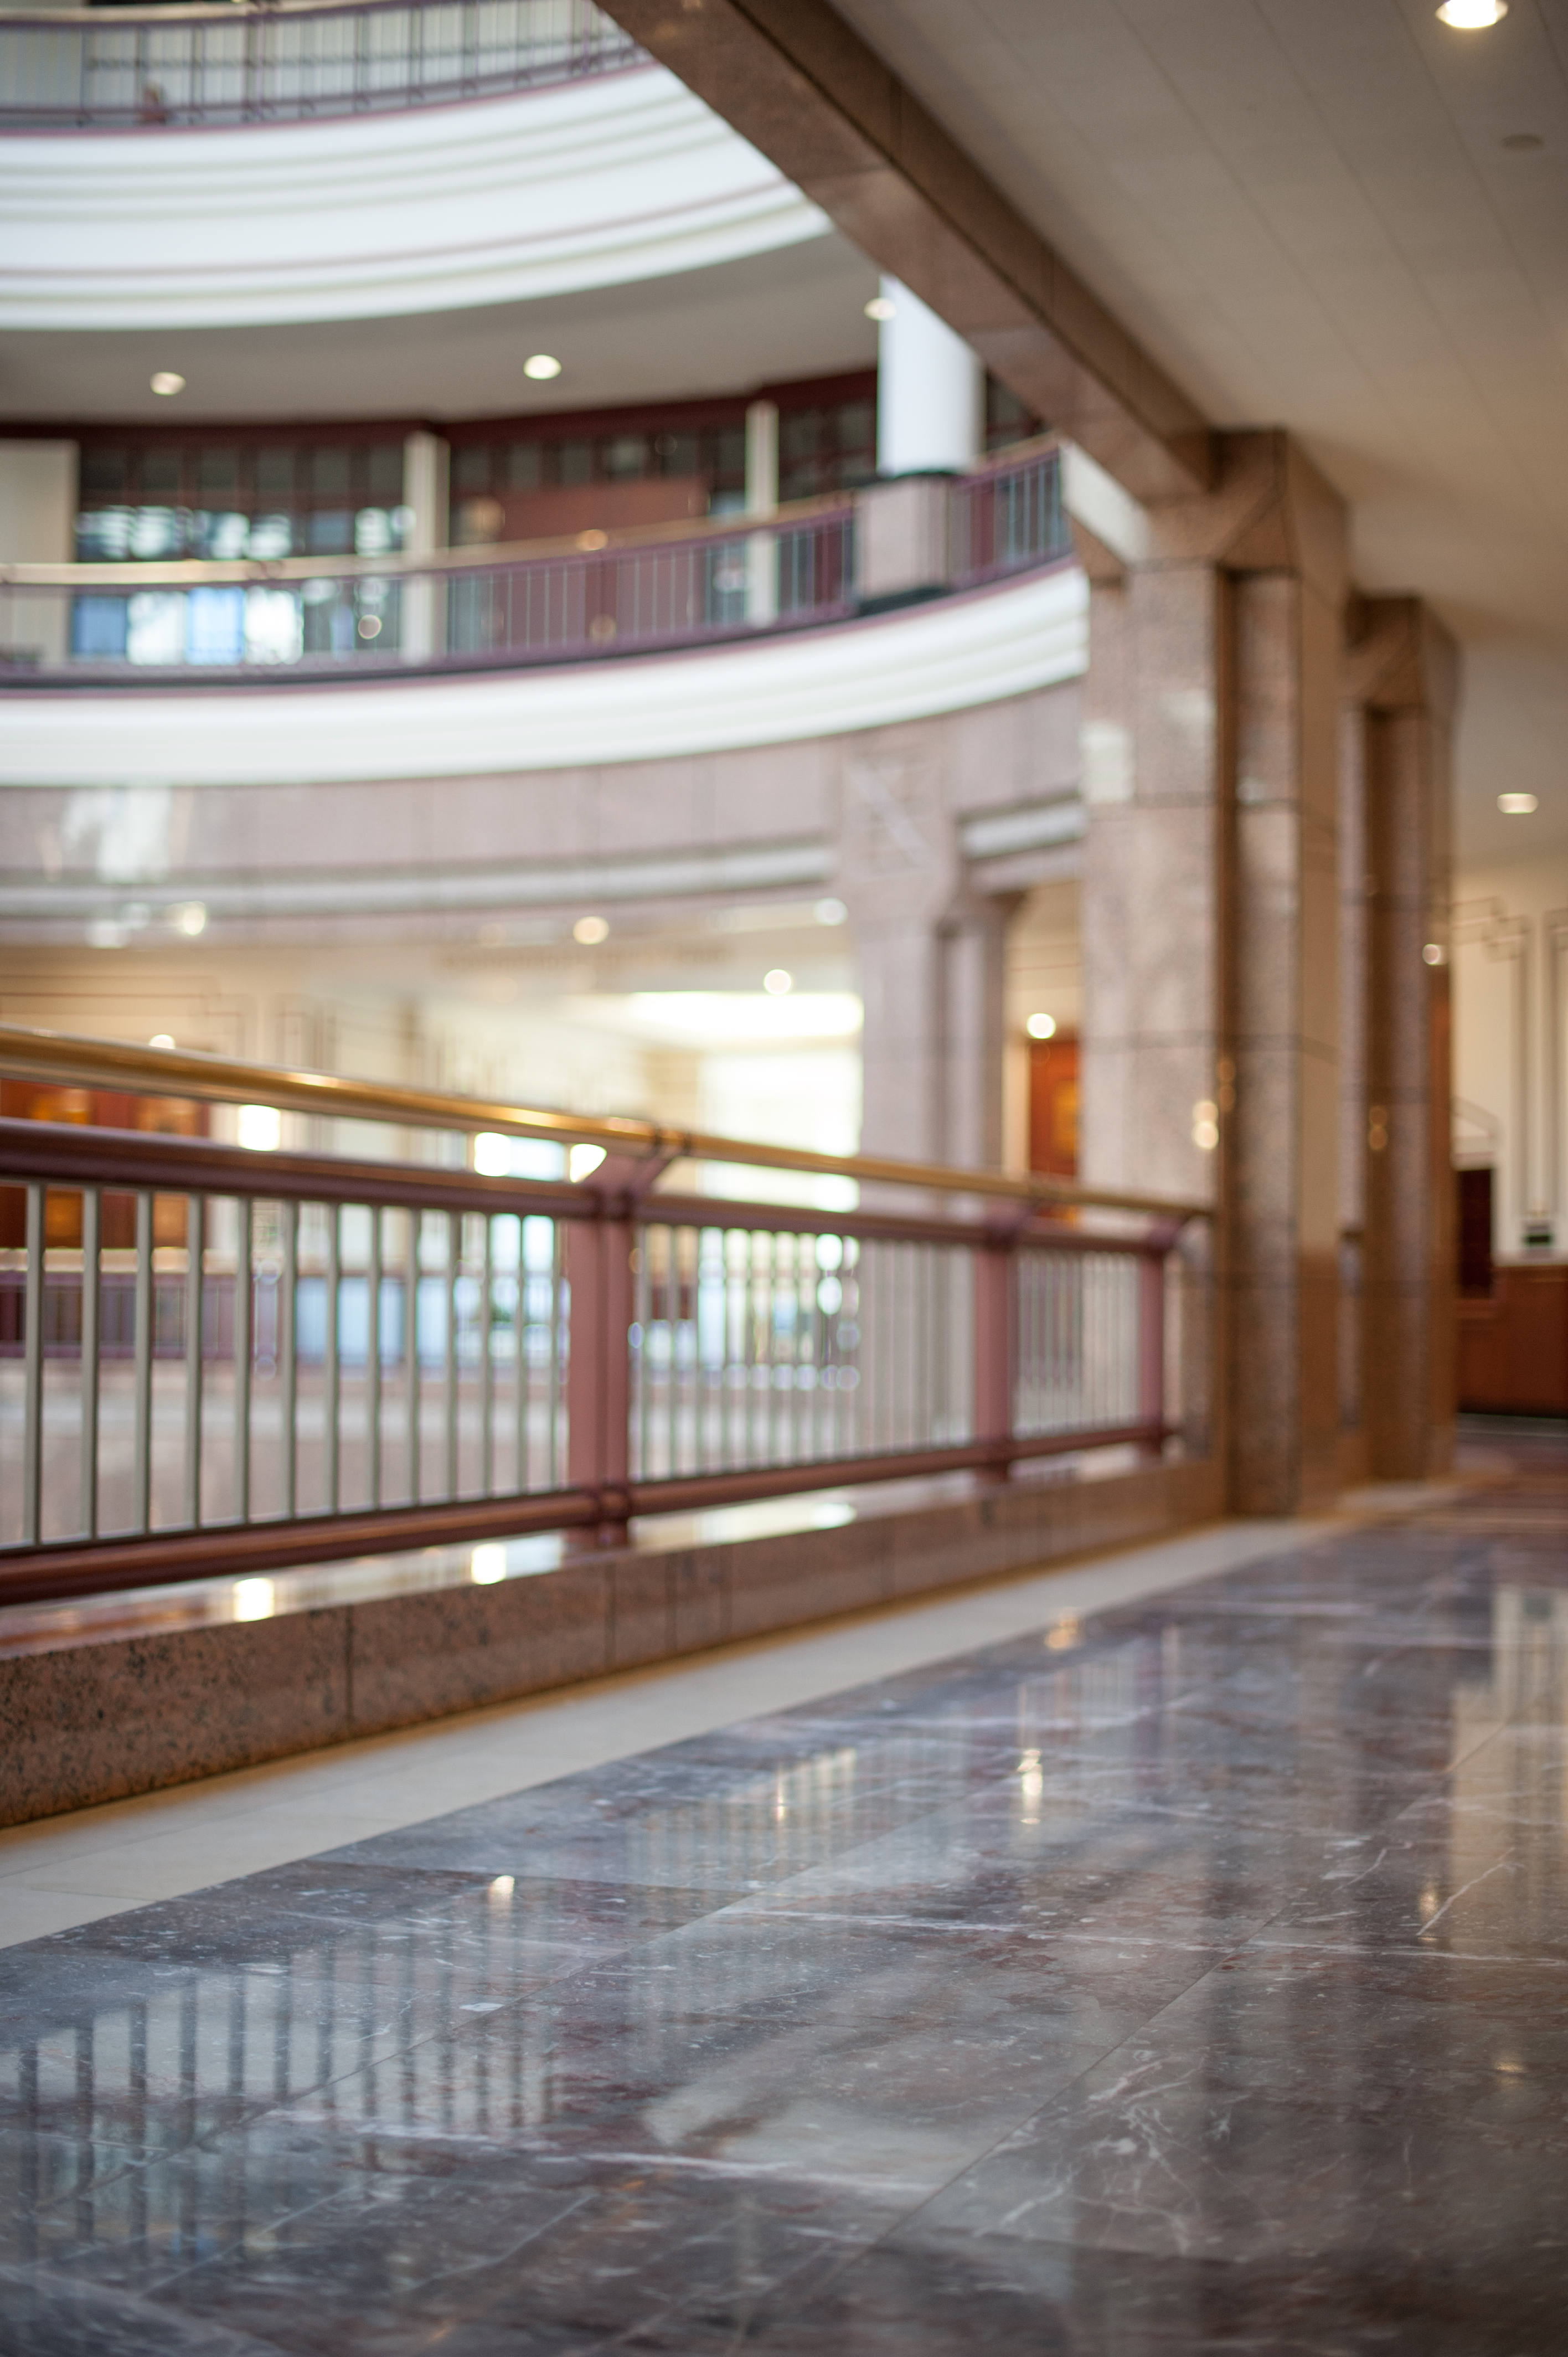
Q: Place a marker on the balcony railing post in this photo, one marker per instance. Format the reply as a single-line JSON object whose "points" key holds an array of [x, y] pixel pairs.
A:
{"points": [[1152, 1344], [995, 1283], [599, 1371]]}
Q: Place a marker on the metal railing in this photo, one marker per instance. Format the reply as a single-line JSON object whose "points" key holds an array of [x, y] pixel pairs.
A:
{"points": [[597, 594], [218, 1360], [184, 621], [1008, 517], [159, 69]]}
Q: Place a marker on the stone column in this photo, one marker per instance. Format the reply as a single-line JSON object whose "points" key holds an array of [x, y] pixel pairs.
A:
{"points": [[1209, 918], [38, 509], [1402, 679], [931, 957], [931, 391], [426, 461], [762, 499]]}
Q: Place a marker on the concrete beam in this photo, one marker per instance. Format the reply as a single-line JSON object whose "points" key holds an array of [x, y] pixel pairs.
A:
{"points": [[796, 80]]}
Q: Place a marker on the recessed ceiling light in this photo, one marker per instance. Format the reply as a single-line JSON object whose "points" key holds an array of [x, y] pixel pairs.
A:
{"points": [[1473, 16], [880, 308], [168, 382], [778, 983], [161, 1039], [541, 366], [1516, 805], [1041, 1027], [589, 930]]}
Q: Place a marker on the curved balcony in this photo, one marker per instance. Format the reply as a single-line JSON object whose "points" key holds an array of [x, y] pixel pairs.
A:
{"points": [[343, 212], [599, 595], [157, 69]]}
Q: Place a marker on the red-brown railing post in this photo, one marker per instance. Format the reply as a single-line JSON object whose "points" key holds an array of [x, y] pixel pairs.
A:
{"points": [[993, 1344], [598, 1368], [1151, 1343]]}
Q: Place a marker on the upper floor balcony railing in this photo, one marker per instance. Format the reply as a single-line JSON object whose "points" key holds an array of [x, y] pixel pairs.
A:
{"points": [[159, 69], [599, 594]]}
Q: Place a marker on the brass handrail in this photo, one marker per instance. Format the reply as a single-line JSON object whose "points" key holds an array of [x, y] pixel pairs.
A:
{"points": [[192, 572], [59, 1057]]}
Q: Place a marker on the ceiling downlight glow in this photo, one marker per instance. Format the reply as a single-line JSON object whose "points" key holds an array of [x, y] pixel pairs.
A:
{"points": [[542, 367], [168, 382], [1473, 16], [1041, 1027], [1516, 805], [880, 308]]}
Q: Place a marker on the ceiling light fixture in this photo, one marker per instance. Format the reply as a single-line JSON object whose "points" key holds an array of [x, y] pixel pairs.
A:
{"points": [[590, 929], [1041, 1027], [778, 983], [1516, 805], [542, 366], [880, 306], [168, 382], [1473, 16], [161, 1039]]}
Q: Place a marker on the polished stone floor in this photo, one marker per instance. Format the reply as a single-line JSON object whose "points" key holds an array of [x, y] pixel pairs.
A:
{"points": [[1188, 1975]]}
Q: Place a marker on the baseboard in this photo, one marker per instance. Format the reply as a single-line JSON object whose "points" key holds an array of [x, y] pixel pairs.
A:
{"points": [[82, 1723]]}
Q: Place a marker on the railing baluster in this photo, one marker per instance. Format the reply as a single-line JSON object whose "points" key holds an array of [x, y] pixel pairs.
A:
{"points": [[333, 1375], [33, 1372], [243, 1353], [141, 1436], [195, 1254], [373, 1363], [92, 1301], [454, 1266], [410, 1355], [288, 1358], [486, 1369]]}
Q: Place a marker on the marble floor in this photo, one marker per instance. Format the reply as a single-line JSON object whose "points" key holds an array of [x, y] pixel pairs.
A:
{"points": [[1176, 1971]]}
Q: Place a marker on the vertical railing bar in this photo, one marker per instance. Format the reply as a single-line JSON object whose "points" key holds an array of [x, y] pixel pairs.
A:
{"points": [[243, 1348], [410, 1355], [92, 1299], [195, 1255], [334, 1378], [142, 1439], [33, 1370], [373, 1360], [454, 1258], [487, 1370], [520, 1355], [288, 1358]]}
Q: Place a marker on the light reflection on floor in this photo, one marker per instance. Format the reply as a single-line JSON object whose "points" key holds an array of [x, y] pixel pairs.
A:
{"points": [[1190, 1975]]}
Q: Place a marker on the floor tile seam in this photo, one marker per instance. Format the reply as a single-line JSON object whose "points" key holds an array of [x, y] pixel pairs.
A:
{"points": [[1074, 2078], [1374, 1952]]}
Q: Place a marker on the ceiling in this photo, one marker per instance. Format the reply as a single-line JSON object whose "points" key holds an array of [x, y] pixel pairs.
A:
{"points": [[1317, 213], [796, 312]]}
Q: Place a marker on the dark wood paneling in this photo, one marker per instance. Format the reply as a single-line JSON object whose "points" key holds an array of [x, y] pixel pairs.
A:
{"points": [[1513, 1349]]}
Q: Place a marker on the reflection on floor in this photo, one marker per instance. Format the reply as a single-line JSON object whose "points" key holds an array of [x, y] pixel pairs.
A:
{"points": [[1190, 1975]]}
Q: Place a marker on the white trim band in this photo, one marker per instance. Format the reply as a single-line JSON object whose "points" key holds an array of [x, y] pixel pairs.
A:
{"points": [[947, 656]]}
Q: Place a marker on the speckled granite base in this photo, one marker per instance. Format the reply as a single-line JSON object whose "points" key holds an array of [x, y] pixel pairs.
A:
{"points": [[1186, 1977], [95, 1721]]}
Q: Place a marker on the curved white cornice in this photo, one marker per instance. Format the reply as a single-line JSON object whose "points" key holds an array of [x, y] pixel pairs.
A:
{"points": [[943, 657], [595, 183]]}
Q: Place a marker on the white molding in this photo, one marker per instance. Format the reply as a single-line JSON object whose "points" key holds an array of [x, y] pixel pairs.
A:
{"points": [[926, 660], [602, 182]]}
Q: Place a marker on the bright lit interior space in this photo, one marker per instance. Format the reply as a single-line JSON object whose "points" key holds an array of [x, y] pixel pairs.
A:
{"points": [[783, 1178]]}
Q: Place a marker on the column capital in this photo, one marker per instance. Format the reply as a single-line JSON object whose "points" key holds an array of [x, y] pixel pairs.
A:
{"points": [[1400, 658], [1270, 512]]}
